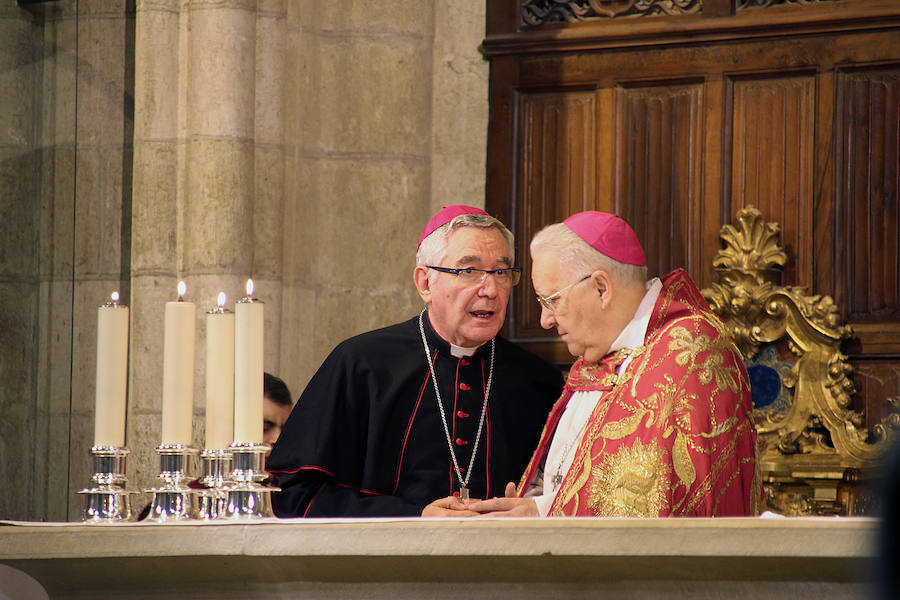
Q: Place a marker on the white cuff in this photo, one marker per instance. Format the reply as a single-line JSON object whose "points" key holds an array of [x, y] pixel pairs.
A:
{"points": [[544, 502]]}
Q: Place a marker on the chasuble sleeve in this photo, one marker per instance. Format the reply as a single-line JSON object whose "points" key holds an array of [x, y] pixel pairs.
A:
{"points": [[699, 419]]}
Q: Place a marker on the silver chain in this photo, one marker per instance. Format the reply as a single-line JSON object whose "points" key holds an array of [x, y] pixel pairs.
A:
{"points": [[487, 391], [557, 477]]}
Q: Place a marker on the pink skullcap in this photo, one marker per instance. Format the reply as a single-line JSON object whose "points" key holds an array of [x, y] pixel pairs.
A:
{"points": [[609, 235], [444, 216]]}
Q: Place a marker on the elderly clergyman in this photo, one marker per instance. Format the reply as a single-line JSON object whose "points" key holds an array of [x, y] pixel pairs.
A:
{"points": [[655, 419], [435, 407]]}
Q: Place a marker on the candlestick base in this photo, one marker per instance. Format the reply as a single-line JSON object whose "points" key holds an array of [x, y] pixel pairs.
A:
{"points": [[173, 500], [211, 501], [106, 505], [247, 496], [249, 501], [107, 501], [172, 503]]}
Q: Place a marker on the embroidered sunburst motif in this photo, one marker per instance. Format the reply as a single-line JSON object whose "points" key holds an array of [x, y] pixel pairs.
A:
{"points": [[630, 482]]}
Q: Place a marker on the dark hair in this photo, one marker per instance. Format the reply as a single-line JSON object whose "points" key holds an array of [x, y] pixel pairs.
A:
{"points": [[276, 390]]}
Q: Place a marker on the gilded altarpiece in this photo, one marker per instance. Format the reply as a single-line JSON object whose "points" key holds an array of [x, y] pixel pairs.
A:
{"points": [[816, 455]]}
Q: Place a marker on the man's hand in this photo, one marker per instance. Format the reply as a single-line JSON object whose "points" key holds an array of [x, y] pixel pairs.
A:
{"points": [[451, 506], [510, 506]]}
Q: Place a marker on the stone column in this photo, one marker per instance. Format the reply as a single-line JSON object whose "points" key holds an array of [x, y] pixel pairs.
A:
{"points": [[21, 291], [157, 220], [103, 158], [459, 105], [219, 166], [66, 141], [269, 197], [194, 186]]}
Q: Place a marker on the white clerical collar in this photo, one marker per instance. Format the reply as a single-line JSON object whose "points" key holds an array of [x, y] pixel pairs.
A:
{"points": [[455, 351], [634, 333], [459, 351]]}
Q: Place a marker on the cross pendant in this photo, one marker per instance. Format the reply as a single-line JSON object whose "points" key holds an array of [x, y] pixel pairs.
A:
{"points": [[557, 480], [463, 494]]}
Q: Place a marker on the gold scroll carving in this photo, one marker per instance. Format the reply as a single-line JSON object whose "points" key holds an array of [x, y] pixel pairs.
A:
{"points": [[815, 454]]}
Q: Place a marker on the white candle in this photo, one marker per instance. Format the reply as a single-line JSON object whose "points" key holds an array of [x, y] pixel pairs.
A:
{"points": [[248, 369], [112, 373], [178, 370], [219, 376]]}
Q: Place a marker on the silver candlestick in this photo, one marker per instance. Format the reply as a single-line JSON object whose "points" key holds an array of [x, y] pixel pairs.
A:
{"points": [[246, 496], [174, 500], [216, 471], [107, 500]]}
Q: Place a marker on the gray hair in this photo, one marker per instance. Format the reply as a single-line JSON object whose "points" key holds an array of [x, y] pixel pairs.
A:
{"points": [[434, 247], [578, 258]]}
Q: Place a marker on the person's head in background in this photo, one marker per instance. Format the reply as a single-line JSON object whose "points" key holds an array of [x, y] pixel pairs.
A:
{"points": [[276, 407]]}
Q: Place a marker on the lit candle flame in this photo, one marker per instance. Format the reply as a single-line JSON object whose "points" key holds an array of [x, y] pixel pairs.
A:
{"points": [[114, 297], [221, 301], [182, 288], [249, 288]]}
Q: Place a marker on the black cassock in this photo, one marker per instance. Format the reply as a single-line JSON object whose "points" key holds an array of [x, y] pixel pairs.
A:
{"points": [[366, 439]]}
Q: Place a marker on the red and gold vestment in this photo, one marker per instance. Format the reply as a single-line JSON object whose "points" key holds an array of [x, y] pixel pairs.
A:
{"points": [[672, 434]]}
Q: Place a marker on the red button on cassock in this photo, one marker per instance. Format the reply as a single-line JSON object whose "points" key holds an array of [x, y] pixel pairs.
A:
{"points": [[461, 442], [464, 387], [462, 415]]}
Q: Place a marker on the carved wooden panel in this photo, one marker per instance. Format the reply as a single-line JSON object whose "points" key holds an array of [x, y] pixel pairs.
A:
{"points": [[750, 4], [875, 380], [557, 175], [789, 105], [537, 12], [658, 177], [867, 135], [772, 130]]}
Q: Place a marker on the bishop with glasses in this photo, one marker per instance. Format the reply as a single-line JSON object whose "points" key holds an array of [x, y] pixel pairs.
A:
{"points": [[399, 420]]}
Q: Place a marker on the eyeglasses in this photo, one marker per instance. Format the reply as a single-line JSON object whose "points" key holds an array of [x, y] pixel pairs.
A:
{"points": [[505, 277], [551, 302]]}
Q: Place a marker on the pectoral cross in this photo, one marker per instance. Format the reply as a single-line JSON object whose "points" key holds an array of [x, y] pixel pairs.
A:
{"points": [[463, 494], [557, 480]]}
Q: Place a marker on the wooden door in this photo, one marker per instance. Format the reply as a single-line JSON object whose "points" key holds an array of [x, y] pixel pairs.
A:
{"points": [[677, 121]]}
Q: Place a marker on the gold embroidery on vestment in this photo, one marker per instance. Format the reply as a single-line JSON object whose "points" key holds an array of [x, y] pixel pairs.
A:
{"points": [[572, 491], [616, 430], [688, 347], [681, 461], [609, 380], [632, 482], [724, 458], [712, 368], [720, 429], [724, 488], [677, 469]]}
